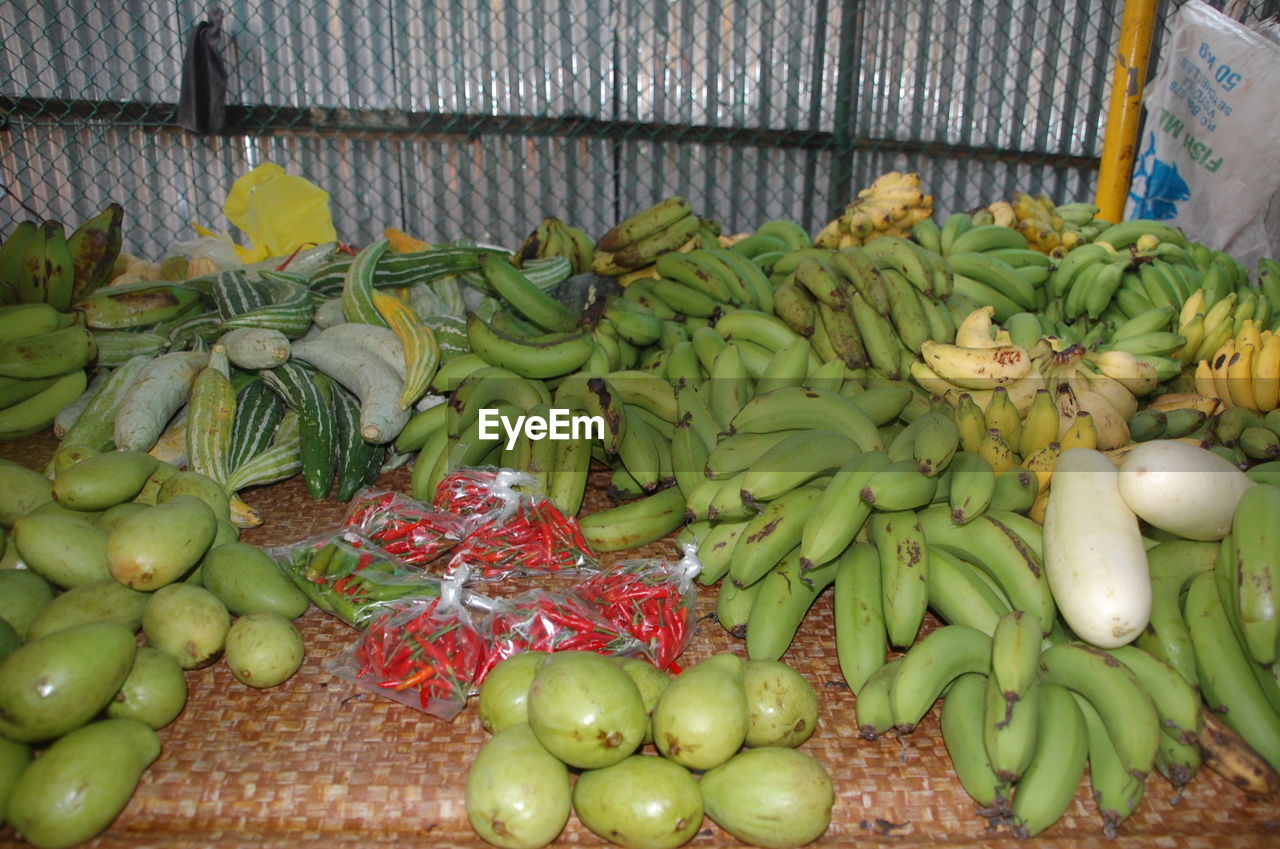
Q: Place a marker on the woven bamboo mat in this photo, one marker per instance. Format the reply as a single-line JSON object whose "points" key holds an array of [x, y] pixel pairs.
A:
{"points": [[317, 761]]}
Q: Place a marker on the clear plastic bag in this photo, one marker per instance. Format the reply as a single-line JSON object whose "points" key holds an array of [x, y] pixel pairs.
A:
{"points": [[654, 601], [350, 577], [430, 654], [409, 529], [512, 533], [555, 621]]}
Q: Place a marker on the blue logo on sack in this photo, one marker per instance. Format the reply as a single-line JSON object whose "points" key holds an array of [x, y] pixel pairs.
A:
{"points": [[1156, 187]]}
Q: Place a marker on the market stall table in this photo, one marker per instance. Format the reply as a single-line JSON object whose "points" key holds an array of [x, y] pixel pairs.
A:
{"points": [[316, 760]]}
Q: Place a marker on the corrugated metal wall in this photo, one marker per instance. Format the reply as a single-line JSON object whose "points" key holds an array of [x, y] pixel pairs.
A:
{"points": [[473, 119]]}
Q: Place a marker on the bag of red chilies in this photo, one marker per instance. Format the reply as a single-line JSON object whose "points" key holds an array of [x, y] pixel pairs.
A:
{"points": [[427, 653], [512, 533], [652, 600]]}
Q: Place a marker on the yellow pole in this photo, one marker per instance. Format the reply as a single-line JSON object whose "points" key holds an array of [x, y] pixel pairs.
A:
{"points": [[1119, 146]]}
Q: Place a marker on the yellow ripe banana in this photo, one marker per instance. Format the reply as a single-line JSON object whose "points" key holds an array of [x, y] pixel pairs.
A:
{"points": [[1221, 361], [1115, 392], [1002, 416], [1240, 377], [977, 368], [976, 331], [1041, 462], [1266, 375], [1219, 312], [996, 451], [1081, 434], [1194, 305], [1248, 335], [1138, 377], [1204, 380], [1207, 404], [1110, 428], [971, 422], [930, 381], [1039, 425]]}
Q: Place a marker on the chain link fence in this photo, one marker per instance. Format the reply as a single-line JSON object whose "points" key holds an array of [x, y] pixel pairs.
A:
{"points": [[474, 120]]}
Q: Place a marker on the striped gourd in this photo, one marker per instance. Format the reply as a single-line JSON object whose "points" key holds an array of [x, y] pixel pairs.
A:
{"points": [[193, 332], [258, 412], [357, 290], [451, 335], [115, 347], [235, 294], [421, 353], [279, 461], [289, 311], [399, 269], [211, 418], [308, 392], [359, 461]]}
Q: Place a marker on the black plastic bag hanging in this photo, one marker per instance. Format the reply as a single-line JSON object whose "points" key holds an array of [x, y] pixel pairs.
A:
{"points": [[202, 101]]}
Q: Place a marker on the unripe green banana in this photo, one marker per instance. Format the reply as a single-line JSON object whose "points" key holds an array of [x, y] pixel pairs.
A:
{"points": [[47, 354], [772, 533], [858, 613], [936, 660], [961, 722], [1009, 728], [873, 706], [786, 594], [904, 564], [1048, 785]]}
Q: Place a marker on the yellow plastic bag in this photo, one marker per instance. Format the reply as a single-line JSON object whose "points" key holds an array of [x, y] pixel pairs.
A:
{"points": [[279, 213]]}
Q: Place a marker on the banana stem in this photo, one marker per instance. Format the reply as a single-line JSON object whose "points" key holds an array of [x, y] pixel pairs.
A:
{"points": [[1119, 145]]}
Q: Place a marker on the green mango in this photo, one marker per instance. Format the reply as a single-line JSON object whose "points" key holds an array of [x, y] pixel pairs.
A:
{"points": [[103, 480], [150, 491], [187, 622], [651, 680], [701, 718], [59, 682], [155, 691], [642, 802], [64, 549], [782, 707], [14, 758], [772, 796], [107, 600], [247, 580], [113, 516], [518, 794], [53, 508], [263, 649], [9, 640], [154, 548], [203, 487], [504, 695], [585, 709], [21, 491], [23, 594], [81, 783]]}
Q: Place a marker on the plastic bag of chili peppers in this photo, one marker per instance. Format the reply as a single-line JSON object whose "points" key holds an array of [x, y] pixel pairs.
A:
{"points": [[351, 577], [471, 491], [518, 534], [555, 621], [412, 530], [654, 601], [427, 653]]}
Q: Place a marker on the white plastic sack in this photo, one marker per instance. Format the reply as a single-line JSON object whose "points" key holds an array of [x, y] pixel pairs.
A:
{"points": [[1209, 154]]}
